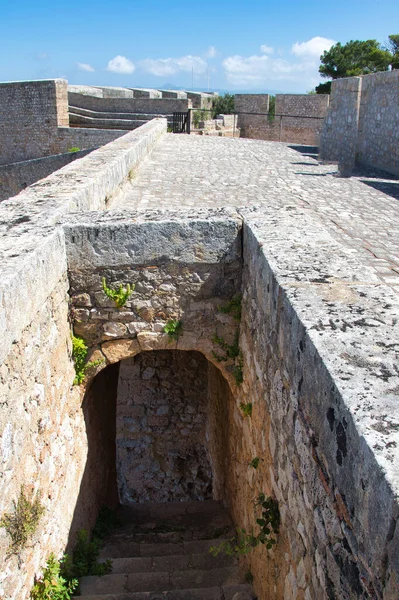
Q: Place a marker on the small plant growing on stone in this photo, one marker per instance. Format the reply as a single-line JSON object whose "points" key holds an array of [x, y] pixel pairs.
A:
{"points": [[249, 578], [173, 329], [79, 355], [22, 523], [84, 559], [255, 462], [246, 408], [238, 372], [74, 149], [244, 542], [231, 352], [120, 295], [52, 586], [232, 308]]}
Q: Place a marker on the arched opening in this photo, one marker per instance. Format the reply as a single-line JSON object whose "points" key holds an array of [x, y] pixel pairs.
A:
{"points": [[157, 431]]}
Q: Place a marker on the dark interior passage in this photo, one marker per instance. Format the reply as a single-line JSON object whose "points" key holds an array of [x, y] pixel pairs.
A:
{"points": [[161, 419], [157, 431]]}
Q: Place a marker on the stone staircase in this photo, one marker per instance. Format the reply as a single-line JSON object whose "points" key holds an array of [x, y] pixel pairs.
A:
{"points": [[161, 552], [82, 117]]}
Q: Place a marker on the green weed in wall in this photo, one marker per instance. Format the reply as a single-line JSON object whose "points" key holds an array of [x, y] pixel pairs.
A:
{"points": [[22, 523], [173, 329], [52, 585], [79, 355], [119, 295], [268, 528]]}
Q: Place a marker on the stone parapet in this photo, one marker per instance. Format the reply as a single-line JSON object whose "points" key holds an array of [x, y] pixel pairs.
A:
{"points": [[321, 335], [28, 218], [146, 93], [160, 106], [174, 94], [339, 136], [30, 113], [378, 135], [362, 123], [298, 117], [17, 176]]}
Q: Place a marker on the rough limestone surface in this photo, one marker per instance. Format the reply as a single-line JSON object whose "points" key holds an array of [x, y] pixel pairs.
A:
{"points": [[42, 438], [338, 140], [34, 122], [189, 171], [342, 412], [30, 113]]}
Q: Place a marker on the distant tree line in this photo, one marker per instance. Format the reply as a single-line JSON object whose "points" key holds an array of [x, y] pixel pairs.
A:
{"points": [[357, 58], [223, 105]]}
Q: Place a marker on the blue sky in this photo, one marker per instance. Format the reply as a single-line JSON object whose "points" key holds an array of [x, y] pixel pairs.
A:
{"points": [[257, 45]]}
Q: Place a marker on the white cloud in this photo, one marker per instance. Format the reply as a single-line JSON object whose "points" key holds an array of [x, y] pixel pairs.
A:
{"points": [[241, 70], [121, 64], [264, 71], [85, 67], [211, 52], [300, 71], [266, 49], [313, 48], [169, 66]]}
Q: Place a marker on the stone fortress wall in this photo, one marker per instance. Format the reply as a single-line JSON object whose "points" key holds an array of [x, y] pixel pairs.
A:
{"points": [[334, 477], [362, 124], [159, 106], [298, 117], [34, 122]]}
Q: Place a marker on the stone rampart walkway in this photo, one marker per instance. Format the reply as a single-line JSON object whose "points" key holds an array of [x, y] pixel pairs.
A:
{"points": [[189, 171]]}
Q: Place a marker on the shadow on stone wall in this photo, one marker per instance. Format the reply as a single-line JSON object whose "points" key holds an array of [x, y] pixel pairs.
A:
{"points": [[98, 485]]}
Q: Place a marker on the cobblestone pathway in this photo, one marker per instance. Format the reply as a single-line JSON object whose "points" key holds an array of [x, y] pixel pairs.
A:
{"points": [[190, 171]]}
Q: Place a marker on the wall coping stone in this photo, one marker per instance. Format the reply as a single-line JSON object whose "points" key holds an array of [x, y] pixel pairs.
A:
{"points": [[349, 316], [117, 238], [27, 234]]}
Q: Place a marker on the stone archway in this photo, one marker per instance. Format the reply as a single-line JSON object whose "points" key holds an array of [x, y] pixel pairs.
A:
{"points": [[157, 427]]}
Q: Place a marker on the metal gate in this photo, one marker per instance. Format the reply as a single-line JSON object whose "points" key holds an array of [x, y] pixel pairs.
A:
{"points": [[181, 122]]}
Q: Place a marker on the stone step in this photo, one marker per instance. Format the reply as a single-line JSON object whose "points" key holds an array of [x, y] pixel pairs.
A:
{"points": [[158, 581], [111, 123], [133, 549], [152, 564], [166, 523], [161, 552], [84, 112], [229, 592], [173, 532]]}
